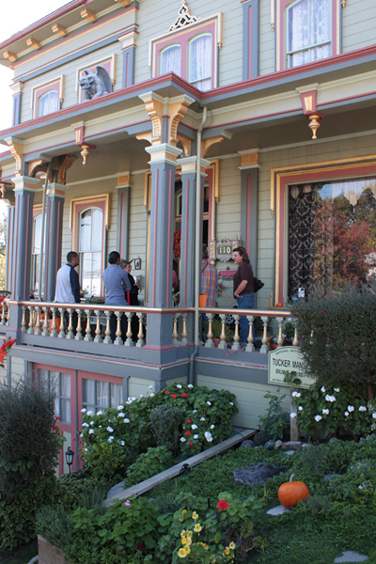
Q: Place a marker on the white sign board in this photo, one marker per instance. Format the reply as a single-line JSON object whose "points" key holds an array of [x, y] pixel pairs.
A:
{"points": [[287, 359]]}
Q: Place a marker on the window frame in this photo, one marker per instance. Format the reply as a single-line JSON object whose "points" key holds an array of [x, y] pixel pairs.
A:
{"points": [[59, 397], [37, 213], [107, 62], [53, 85], [282, 7]]}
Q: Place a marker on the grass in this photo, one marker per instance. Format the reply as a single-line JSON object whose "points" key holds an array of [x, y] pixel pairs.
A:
{"points": [[21, 555]]}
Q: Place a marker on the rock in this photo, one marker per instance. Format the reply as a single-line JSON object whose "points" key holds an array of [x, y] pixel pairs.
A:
{"points": [[277, 444], [269, 445], [279, 510], [247, 443], [328, 477], [260, 438], [350, 557], [306, 445], [256, 473], [289, 452], [292, 445]]}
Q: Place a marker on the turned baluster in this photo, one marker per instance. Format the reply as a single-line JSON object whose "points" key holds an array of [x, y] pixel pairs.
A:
{"points": [[140, 335], [53, 332], [236, 345], [23, 320], [98, 337], [175, 333], [209, 337], [118, 340], [30, 330], [88, 336], [264, 346], [70, 323], [37, 329], [107, 333], [250, 339], [295, 342], [129, 341], [62, 334], [45, 331], [280, 338], [79, 335], [222, 337], [184, 333]]}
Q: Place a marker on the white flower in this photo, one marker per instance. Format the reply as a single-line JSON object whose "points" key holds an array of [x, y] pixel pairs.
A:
{"points": [[91, 431], [141, 395], [122, 443], [374, 415], [126, 420], [292, 415], [195, 436], [330, 398], [323, 389], [86, 449], [81, 434], [182, 439], [99, 412], [336, 389], [121, 414], [318, 417], [300, 408], [350, 408], [190, 385], [193, 426], [110, 439], [347, 413], [202, 419], [208, 436], [100, 426], [208, 402], [212, 426], [110, 429], [85, 424], [151, 387], [325, 411], [91, 422], [179, 386], [90, 413], [296, 394], [362, 408], [231, 403], [152, 394], [83, 410], [194, 411]]}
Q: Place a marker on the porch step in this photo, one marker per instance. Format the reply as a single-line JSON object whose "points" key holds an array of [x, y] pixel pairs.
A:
{"points": [[117, 492]]}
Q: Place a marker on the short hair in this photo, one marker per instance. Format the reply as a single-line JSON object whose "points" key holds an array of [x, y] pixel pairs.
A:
{"points": [[205, 252], [123, 263], [243, 253], [71, 255], [113, 257]]}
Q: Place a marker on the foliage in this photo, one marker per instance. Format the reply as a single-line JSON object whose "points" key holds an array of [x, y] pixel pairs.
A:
{"points": [[275, 421], [337, 336], [55, 524], [330, 411], [148, 464], [29, 445], [75, 488], [166, 424]]}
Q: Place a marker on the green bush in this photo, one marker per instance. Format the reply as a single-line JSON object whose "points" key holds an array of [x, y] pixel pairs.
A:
{"points": [[337, 337], [166, 426], [75, 488], [275, 422], [148, 464], [29, 446]]}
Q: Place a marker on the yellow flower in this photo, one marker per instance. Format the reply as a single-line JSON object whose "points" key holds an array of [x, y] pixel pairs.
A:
{"points": [[227, 550], [182, 534], [184, 540], [232, 545], [181, 519], [205, 545], [197, 528], [186, 549], [181, 553], [184, 511], [194, 516], [189, 534]]}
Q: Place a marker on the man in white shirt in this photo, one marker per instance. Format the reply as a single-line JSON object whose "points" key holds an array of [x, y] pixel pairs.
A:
{"points": [[67, 281]]}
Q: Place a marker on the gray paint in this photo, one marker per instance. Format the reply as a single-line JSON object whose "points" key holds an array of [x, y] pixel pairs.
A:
{"points": [[54, 234], [251, 36], [187, 259], [16, 115], [9, 249], [122, 237], [128, 66], [23, 229], [249, 223]]}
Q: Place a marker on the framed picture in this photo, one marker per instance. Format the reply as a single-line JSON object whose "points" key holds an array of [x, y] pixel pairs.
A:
{"points": [[137, 264]]}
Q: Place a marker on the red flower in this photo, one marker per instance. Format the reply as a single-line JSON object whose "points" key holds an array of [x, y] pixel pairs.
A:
{"points": [[187, 432], [174, 396], [184, 395], [222, 504], [139, 546], [58, 418], [191, 443], [9, 343], [2, 298], [55, 428], [189, 421], [166, 391]]}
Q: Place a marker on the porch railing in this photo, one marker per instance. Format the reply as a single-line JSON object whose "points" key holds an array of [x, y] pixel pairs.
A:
{"points": [[4, 316]]}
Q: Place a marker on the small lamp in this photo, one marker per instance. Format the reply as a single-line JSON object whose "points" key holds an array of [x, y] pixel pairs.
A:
{"points": [[69, 458]]}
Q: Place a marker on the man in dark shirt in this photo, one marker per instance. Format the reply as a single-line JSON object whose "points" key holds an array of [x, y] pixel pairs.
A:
{"points": [[116, 282]]}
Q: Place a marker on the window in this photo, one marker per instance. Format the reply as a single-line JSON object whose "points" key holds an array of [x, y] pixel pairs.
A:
{"points": [[48, 103], [46, 97], [97, 395], [200, 62], [309, 31], [91, 231], [171, 59], [60, 384]]}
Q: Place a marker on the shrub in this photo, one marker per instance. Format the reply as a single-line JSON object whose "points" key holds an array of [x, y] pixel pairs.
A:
{"points": [[275, 422], [153, 461], [29, 445], [166, 426], [75, 488]]}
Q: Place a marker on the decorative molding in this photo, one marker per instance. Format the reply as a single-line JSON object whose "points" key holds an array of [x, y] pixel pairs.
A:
{"points": [[184, 17], [30, 42], [60, 30], [249, 159], [186, 145], [16, 148], [86, 147], [35, 166], [65, 162], [124, 3], [11, 56], [207, 143], [157, 107], [314, 123], [343, 2], [79, 135], [178, 110], [91, 201], [123, 179], [89, 16]]}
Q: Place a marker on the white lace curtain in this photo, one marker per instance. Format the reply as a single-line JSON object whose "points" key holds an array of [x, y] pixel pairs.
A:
{"points": [[200, 62], [171, 60], [309, 31]]}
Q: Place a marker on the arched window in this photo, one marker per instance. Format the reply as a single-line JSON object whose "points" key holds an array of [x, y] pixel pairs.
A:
{"points": [[91, 246], [309, 26], [200, 62], [48, 103], [171, 60]]}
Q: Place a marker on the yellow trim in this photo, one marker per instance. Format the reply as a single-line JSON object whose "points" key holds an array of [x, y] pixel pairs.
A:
{"points": [[96, 198]]}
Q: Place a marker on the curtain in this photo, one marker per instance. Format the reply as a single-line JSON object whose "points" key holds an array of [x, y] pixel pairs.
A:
{"points": [[200, 62], [48, 103], [116, 395], [309, 31], [170, 60], [65, 393]]}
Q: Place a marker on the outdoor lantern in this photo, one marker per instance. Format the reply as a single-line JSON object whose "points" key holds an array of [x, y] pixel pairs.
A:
{"points": [[69, 457]]}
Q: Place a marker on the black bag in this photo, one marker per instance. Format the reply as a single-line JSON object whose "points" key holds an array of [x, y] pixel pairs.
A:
{"points": [[257, 284]]}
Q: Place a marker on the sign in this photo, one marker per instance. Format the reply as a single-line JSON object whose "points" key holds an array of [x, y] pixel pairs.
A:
{"points": [[287, 359], [224, 248]]}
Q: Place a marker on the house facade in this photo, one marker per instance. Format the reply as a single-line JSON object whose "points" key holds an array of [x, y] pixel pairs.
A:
{"points": [[147, 128]]}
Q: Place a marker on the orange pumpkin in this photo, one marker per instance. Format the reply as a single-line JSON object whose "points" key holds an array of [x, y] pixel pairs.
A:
{"points": [[279, 304], [291, 492]]}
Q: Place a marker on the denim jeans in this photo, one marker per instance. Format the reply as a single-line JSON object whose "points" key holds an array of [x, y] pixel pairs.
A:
{"points": [[245, 301]]}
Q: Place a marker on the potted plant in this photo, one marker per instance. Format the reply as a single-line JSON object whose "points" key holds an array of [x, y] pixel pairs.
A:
{"points": [[217, 331]]}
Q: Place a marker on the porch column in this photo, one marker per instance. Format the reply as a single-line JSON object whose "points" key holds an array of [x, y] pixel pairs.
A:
{"points": [[24, 189], [249, 167], [124, 194], [54, 233]]}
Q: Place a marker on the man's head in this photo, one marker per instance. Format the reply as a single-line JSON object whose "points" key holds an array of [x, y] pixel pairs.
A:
{"points": [[73, 259], [114, 257], [205, 252], [125, 265]]}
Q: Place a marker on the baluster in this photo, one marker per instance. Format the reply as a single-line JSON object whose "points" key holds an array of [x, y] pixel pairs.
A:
{"points": [[30, 330], [264, 346], [107, 333], [53, 324], [3, 318], [129, 341], [98, 337], [62, 334], [236, 345], [23, 320], [88, 336], [45, 331], [140, 335], [79, 336], [175, 333], [250, 339], [295, 342], [184, 333], [209, 337], [280, 338], [70, 323], [37, 329], [222, 342], [118, 339]]}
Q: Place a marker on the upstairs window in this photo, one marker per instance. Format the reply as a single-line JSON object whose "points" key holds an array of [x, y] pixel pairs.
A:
{"points": [[309, 25], [171, 60], [48, 103], [200, 65], [47, 97]]}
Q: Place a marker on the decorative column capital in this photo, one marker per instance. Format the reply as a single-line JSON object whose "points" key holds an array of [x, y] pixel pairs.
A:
{"points": [[189, 165], [163, 153], [55, 189], [249, 159], [16, 148], [123, 180], [24, 183]]}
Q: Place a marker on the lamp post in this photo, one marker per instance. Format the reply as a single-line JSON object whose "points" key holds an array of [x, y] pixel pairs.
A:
{"points": [[69, 458]]}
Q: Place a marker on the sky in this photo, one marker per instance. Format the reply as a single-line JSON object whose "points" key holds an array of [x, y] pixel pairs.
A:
{"points": [[15, 16]]}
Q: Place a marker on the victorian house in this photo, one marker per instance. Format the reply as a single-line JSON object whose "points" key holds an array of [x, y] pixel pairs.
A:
{"points": [[147, 127]]}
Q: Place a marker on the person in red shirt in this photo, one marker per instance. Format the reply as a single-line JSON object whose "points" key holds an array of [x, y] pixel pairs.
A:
{"points": [[243, 288]]}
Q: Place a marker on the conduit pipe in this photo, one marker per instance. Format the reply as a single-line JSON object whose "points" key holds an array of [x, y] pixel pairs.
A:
{"points": [[42, 235]]}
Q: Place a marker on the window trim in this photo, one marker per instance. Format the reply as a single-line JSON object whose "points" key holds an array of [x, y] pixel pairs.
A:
{"points": [[59, 396], [282, 32], [109, 384], [55, 84], [37, 212]]}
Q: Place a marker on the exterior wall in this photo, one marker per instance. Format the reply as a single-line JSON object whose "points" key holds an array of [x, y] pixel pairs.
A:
{"points": [[17, 368], [267, 40], [358, 24], [138, 229]]}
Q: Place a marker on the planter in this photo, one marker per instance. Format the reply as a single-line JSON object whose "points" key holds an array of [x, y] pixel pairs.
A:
{"points": [[216, 342], [50, 554]]}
